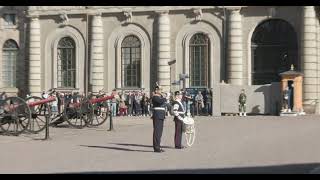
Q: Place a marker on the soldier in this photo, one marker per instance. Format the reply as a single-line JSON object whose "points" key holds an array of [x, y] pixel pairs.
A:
{"points": [[158, 117], [179, 112], [286, 99], [242, 103]]}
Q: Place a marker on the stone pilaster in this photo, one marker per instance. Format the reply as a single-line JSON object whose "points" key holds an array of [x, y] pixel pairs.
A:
{"points": [[164, 50], [318, 54], [235, 50], [96, 61], [35, 57], [309, 57]]}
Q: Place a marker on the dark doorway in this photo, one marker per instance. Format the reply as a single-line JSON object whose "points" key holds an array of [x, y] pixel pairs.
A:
{"points": [[274, 48]]}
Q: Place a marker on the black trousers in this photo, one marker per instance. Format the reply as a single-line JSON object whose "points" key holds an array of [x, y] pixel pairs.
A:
{"points": [[178, 133], [157, 133]]}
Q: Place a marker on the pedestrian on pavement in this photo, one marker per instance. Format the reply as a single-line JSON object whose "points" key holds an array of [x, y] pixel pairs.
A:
{"points": [[114, 103], [199, 102], [122, 108]]}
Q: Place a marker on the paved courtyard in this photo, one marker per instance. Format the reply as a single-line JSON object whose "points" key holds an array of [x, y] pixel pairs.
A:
{"points": [[255, 144]]}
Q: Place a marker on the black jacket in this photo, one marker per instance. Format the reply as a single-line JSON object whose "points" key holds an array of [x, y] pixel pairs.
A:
{"points": [[158, 102]]}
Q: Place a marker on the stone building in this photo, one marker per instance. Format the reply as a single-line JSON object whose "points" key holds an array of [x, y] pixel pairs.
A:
{"points": [[87, 48]]}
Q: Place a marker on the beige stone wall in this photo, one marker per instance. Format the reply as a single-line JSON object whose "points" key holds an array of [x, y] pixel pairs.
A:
{"points": [[115, 29], [15, 33], [183, 27], [51, 30]]}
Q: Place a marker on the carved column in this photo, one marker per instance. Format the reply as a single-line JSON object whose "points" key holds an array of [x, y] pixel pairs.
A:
{"points": [[234, 55], [309, 56], [96, 56], [318, 59], [35, 57], [164, 50]]}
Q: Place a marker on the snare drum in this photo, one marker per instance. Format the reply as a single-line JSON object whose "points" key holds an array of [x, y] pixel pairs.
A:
{"points": [[189, 130]]}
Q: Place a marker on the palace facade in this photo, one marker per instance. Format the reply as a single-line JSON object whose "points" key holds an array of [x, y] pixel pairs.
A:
{"points": [[226, 49]]}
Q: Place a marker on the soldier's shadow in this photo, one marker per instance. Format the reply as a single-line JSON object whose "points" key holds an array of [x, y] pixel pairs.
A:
{"points": [[139, 145], [116, 148]]}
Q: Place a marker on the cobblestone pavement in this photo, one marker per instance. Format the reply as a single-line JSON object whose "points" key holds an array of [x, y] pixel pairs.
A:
{"points": [[254, 144]]}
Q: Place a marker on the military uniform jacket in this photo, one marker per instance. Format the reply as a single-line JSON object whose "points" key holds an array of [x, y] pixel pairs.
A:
{"points": [[178, 111], [286, 94], [159, 103], [242, 98]]}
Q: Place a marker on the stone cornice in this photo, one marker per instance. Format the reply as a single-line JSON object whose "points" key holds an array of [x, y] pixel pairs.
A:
{"points": [[94, 13], [234, 8], [162, 12], [56, 10], [33, 16]]}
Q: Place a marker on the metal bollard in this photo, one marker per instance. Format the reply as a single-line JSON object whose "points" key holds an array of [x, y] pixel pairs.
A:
{"points": [[111, 122], [47, 137]]}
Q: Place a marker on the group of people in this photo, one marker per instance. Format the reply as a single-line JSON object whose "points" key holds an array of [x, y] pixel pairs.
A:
{"points": [[198, 104], [131, 103], [138, 103]]}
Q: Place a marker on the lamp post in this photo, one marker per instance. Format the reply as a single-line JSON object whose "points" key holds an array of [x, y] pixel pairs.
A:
{"points": [[182, 78], [170, 63]]}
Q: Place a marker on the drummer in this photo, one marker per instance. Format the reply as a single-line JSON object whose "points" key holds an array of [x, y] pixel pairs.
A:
{"points": [[179, 113]]}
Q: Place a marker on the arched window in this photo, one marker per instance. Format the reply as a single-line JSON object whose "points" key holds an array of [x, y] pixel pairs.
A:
{"points": [[199, 55], [274, 48], [131, 62], [66, 63], [9, 63]]}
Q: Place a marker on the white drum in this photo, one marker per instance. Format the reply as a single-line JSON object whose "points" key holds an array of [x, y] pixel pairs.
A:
{"points": [[189, 130]]}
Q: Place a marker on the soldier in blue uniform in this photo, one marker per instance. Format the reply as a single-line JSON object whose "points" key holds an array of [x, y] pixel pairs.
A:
{"points": [[159, 103], [242, 103], [179, 113]]}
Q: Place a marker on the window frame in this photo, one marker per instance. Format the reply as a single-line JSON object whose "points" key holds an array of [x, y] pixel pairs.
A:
{"points": [[61, 81], [203, 66], [12, 71], [137, 58]]}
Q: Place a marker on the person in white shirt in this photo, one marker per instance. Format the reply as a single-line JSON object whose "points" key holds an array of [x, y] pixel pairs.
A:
{"points": [[54, 108], [199, 102]]}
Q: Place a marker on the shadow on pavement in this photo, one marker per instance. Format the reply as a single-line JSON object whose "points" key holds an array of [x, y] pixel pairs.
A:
{"points": [[279, 169], [140, 145], [60, 126], [116, 148]]}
